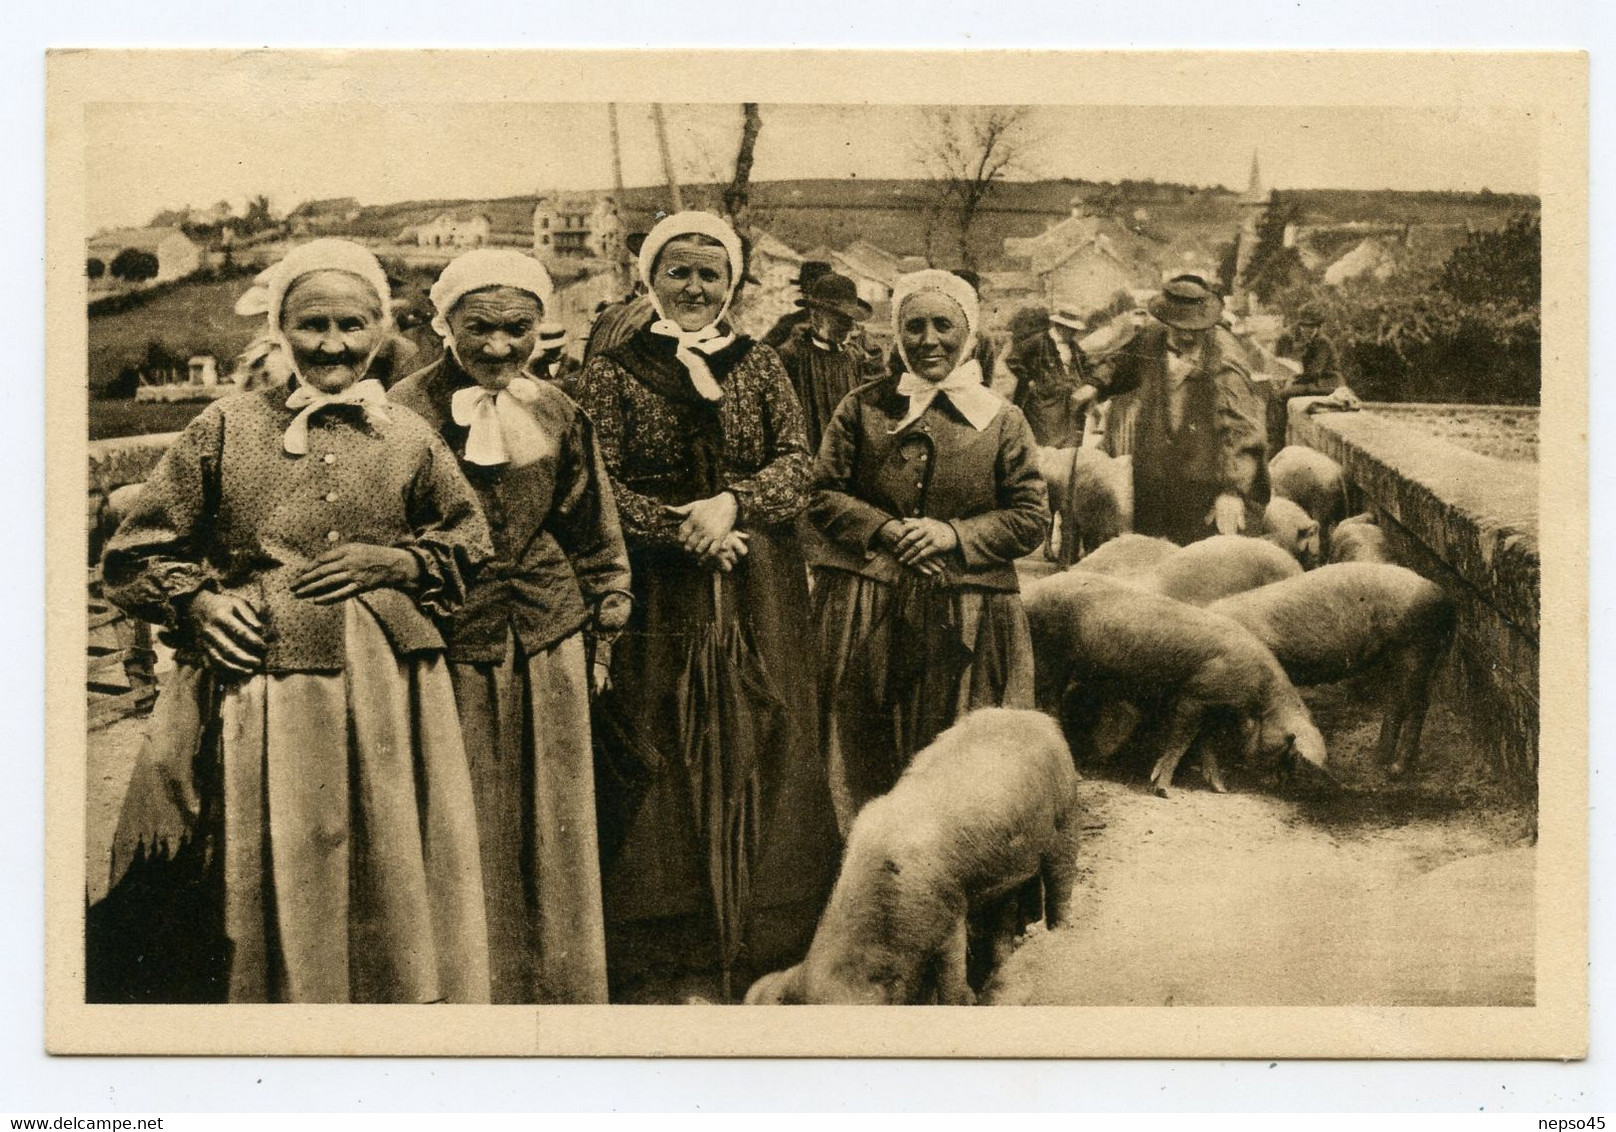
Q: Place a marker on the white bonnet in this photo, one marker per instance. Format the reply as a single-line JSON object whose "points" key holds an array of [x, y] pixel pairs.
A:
{"points": [[488, 267], [270, 286], [944, 283], [692, 224]]}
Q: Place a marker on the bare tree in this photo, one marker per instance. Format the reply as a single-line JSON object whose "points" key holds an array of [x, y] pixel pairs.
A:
{"points": [[968, 151], [737, 198]]}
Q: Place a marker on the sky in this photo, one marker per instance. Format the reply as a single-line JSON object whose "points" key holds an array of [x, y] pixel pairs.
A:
{"points": [[143, 157]]}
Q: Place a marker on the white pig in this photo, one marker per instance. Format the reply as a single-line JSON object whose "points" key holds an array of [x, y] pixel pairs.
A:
{"points": [[1135, 645], [989, 805], [1350, 618]]}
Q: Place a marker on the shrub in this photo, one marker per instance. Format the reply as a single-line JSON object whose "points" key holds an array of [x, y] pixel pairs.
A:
{"points": [[94, 268], [134, 265], [1468, 329]]}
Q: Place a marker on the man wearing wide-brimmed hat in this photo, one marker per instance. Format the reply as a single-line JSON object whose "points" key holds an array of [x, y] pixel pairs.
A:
{"points": [[1199, 454], [1049, 368], [788, 323], [822, 367]]}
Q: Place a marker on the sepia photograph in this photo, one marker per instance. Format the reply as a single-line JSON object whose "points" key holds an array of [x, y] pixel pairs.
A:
{"points": [[555, 565]]}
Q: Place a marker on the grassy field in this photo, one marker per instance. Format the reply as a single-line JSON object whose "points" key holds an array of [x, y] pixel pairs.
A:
{"points": [[192, 318], [112, 419]]}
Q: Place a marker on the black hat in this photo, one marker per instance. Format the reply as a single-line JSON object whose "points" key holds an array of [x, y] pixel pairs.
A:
{"points": [[1187, 303], [970, 277], [837, 293], [811, 269]]}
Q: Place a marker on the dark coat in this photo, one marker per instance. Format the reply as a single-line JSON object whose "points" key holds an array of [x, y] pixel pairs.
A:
{"points": [[1044, 388], [821, 377], [1220, 446], [558, 548], [985, 484]]}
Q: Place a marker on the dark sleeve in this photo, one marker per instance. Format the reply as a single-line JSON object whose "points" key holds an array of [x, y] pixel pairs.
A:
{"points": [[450, 538], [777, 492], [158, 557], [584, 518], [1242, 432], [833, 508], [643, 520], [1115, 375], [1021, 520], [1321, 373], [781, 330]]}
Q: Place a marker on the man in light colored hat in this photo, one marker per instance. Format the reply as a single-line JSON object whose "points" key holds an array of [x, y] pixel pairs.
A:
{"points": [[1049, 369], [1199, 451]]}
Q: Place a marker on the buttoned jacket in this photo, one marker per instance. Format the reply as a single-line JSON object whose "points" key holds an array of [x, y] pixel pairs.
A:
{"points": [[984, 483], [229, 509], [558, 548]]}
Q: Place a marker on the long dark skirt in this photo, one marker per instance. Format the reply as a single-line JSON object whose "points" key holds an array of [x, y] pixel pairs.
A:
{"points": [[661, 928], [874, 715]]}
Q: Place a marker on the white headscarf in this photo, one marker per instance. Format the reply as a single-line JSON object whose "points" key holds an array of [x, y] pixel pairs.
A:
{"points": [[691, 345], [266, 297], [978, 404], [500, 429]]}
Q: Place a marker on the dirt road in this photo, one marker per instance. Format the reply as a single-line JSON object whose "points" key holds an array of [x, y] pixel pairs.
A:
{"points": [[1417, 894]]}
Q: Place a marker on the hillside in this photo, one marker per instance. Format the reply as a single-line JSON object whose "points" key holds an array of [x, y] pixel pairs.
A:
{"points": [[898, 214]]}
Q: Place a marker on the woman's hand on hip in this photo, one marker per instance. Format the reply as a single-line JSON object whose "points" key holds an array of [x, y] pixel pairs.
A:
{"points": [[229, 630], [352, 569], [707, 523]]}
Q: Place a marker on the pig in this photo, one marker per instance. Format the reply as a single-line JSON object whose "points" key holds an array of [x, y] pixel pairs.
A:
{"points": [[1127, 555], [1360, 539], [1217, 567], [1198, 574], [1314, 482], [988, 806], [1128, 643], [1091, 496], [1293, 530], [1351, 618]]}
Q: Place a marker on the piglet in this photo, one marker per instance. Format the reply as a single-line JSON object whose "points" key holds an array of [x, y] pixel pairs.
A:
{"points": [[1127, 643], [1293, 530], [1351, 618], [1312, 480], [1127, 556], [1217, 567], [1360, 539], [991, 804]]}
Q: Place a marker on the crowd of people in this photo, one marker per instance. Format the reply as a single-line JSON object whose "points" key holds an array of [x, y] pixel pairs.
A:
{"points": [[524, 681]]}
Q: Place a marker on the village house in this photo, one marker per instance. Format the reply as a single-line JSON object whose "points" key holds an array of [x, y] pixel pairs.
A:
{"points": [[177, 255], [454, 230], [323, 217], [1084, 260], [584, 225]]}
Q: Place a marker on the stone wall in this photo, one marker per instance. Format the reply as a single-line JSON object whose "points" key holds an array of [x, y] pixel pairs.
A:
{"points": [[1470, 523]]}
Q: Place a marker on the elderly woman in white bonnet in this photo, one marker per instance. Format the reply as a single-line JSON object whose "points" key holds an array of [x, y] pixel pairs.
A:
{"points": [[724, 863], [300, 543], [517, 646], [926, 491]]}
